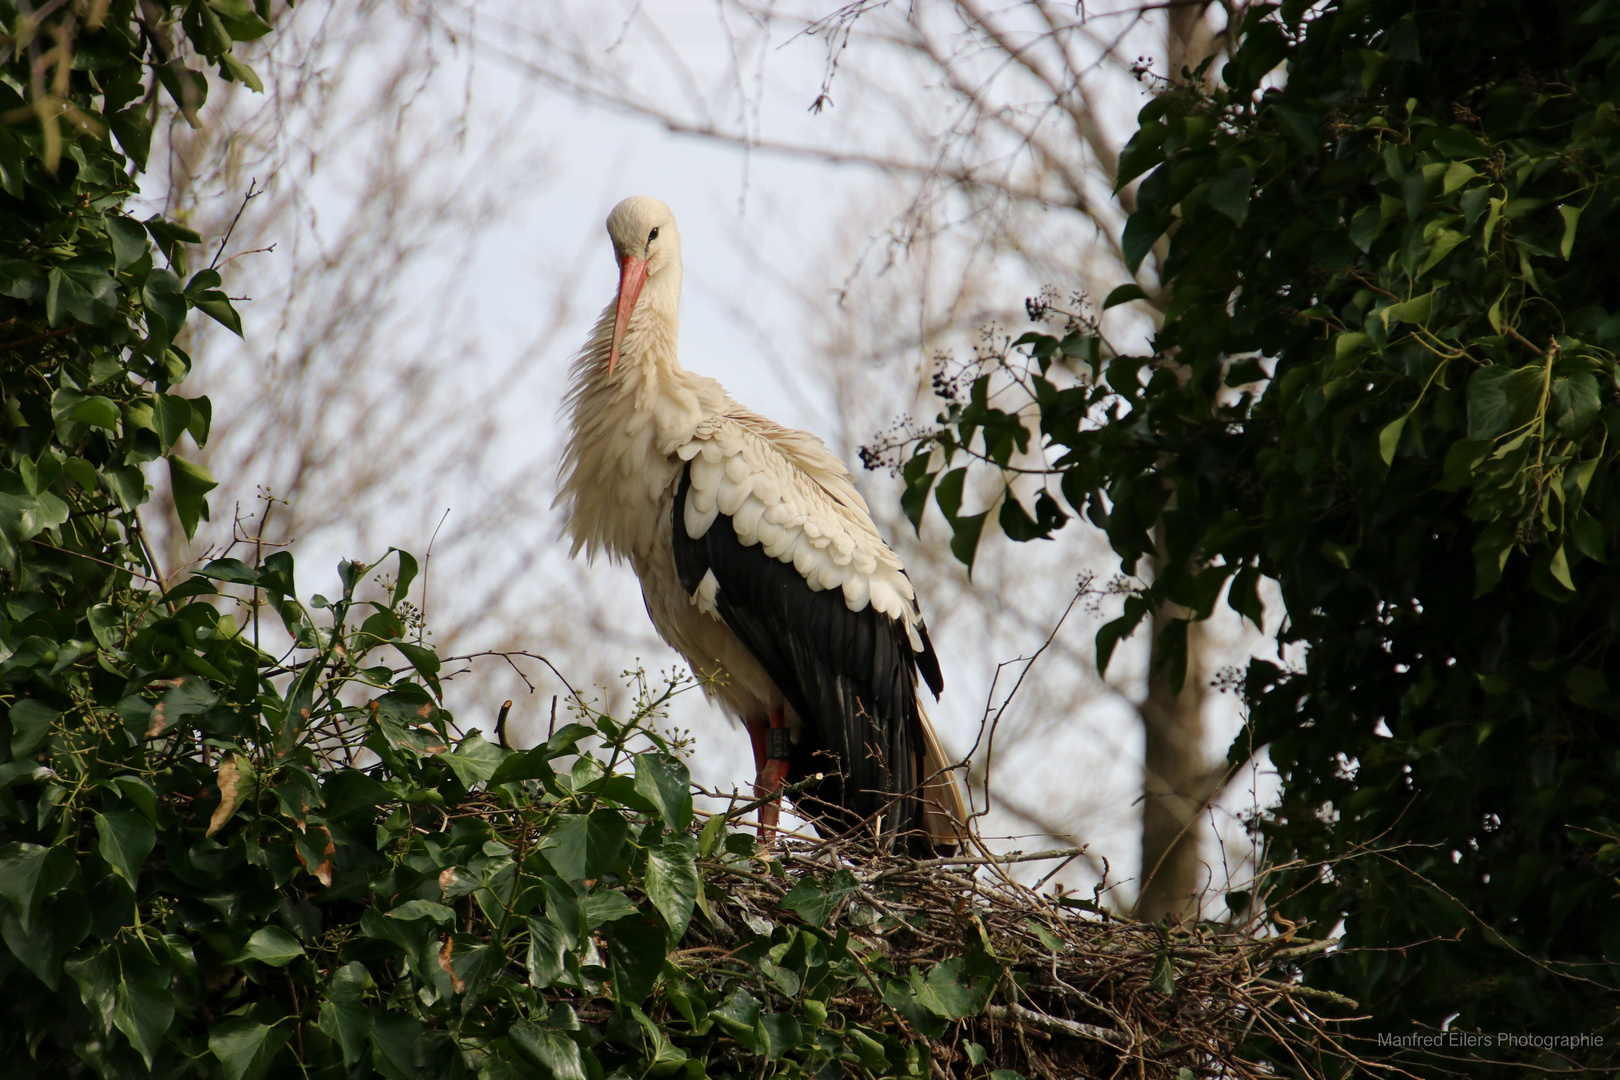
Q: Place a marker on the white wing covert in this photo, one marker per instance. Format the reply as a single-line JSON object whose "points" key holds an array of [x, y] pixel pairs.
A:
{"points": [[785, 491]]}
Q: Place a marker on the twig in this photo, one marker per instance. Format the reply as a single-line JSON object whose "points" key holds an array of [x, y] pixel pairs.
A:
{"points": [[253, 192], [507, 655], [1010, 1014], [162, 584], [916, 865], [786, 789], [249, 251], [1311, 948], [427, 567], [1310, 992], [995, 721], [20, 342]]}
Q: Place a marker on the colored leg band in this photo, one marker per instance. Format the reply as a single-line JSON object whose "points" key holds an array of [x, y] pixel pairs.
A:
{"points": [[777, 743]]}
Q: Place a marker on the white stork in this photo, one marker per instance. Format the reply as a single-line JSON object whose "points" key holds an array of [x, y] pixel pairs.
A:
{"points": [[759, 561]]}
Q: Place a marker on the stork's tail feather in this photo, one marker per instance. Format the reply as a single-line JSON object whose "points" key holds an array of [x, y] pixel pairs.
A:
{"points": [[944, 812]]}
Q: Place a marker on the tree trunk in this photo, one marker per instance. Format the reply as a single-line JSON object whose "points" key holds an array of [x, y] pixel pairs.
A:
{"points": [[1174, 783], [1175, 774]]}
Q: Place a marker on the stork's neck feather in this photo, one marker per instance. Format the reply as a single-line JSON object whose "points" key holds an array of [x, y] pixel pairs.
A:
{"points": [[625, 427]]}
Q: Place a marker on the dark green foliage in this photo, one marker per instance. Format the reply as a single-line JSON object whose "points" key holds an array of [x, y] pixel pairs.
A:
{"points": [[456, 908], [1386, 379]]}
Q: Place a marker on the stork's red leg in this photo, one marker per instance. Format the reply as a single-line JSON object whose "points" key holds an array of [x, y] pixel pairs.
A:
{"points": [[757, 737], [775, 769], [768, 735]]}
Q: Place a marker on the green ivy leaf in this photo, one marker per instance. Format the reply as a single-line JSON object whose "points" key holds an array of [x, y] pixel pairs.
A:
{"points": [[782, 1033], [965, 533], [1461, 461], [636, 949], [713, 829], [271, 945], [125, 839], [98, 412], [98, 979], [585, 846], [1415, 310], [1122, 294], [1016, 522], [1141, 153], [143, 1012], [1457, 174], [424, 660], [1587, 533], [605, 906], [232, 570], [1112, 633], [1389, 437], [172, 416], [30, 726], [1489, 412], [245, 1048], [1164, 975], [552, 1051], [943, 994], [190, 483], [1244, 596], [396, 1044], [414, 910], [1229, 193], [1575, 403], [672, 883], [664, 781], [918, 483], [523, 765], [738, 1016], [475, 759], [815, 899], [241, 72], [188, 89], [1142, 230], [217, 306], [548, 943], [1572, 217], [81, 289], [406, 575], [29, 873], [129, 240], [346, 1021], [165, 301], [1558, 566], [1441, 246]]}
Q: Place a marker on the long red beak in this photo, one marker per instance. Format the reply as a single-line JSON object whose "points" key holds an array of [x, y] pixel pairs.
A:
{"points": [[632, 276]]}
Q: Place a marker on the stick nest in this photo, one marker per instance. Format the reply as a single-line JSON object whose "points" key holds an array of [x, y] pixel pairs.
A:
{"points": [[1071, 990]]}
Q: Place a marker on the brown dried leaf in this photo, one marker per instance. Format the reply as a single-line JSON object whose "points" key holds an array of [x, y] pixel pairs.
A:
{"points": [[445, 957], [323, 868], [158, 722], [232, 783]]}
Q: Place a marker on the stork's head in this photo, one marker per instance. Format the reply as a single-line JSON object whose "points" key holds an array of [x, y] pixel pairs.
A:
{"points": [[646, 245]]}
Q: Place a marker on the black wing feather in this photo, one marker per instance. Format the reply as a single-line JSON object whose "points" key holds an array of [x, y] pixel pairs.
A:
{"points": [[850, 675]]}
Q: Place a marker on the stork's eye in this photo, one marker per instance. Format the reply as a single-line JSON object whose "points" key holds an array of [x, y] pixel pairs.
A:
{"points": [[652, 236]]}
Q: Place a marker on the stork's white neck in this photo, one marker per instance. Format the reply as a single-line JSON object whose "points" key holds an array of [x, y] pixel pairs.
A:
{"points": [[625, 427]]}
